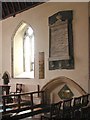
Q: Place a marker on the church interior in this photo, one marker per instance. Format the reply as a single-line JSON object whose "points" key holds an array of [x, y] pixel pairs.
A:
{"points": [[44, 60]]}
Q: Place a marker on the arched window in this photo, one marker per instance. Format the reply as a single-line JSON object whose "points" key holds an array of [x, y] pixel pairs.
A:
{"points": [[23, 52], [29, 50]]}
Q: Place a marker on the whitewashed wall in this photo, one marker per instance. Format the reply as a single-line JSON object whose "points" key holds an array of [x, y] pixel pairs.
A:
{"points": [[89, 44], [0, 52], [38, 19]]}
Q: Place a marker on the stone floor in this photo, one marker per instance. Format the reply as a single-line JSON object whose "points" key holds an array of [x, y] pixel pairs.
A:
{"points": [[36, 117]]}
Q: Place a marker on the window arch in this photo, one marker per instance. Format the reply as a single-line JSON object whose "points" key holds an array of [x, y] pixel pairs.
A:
{"points": [[23, 52]]}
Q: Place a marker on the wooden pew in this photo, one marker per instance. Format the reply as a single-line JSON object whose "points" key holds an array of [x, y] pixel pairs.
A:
{"points": [[15, 110]]}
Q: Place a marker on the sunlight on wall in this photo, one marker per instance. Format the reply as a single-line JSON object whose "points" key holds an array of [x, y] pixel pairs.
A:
{"points": [[23, 52]]}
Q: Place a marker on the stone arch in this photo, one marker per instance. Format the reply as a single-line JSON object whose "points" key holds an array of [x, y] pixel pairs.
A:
{"points": [[56, 82]]}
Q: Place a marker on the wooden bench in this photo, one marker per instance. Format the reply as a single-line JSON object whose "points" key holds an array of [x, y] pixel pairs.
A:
{"points": [[22, 107]]}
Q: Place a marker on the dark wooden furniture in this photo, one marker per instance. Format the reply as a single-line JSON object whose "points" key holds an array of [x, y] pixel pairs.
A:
{"points": [[77, 104], [70, 109], [85, 100], [4, 89], [28, 107], [54, 113], [67, 109], [85, 113], [19, 89], [85, 110]]}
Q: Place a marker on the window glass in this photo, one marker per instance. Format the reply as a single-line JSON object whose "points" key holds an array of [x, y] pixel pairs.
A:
{"points": [[23, 52]]}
